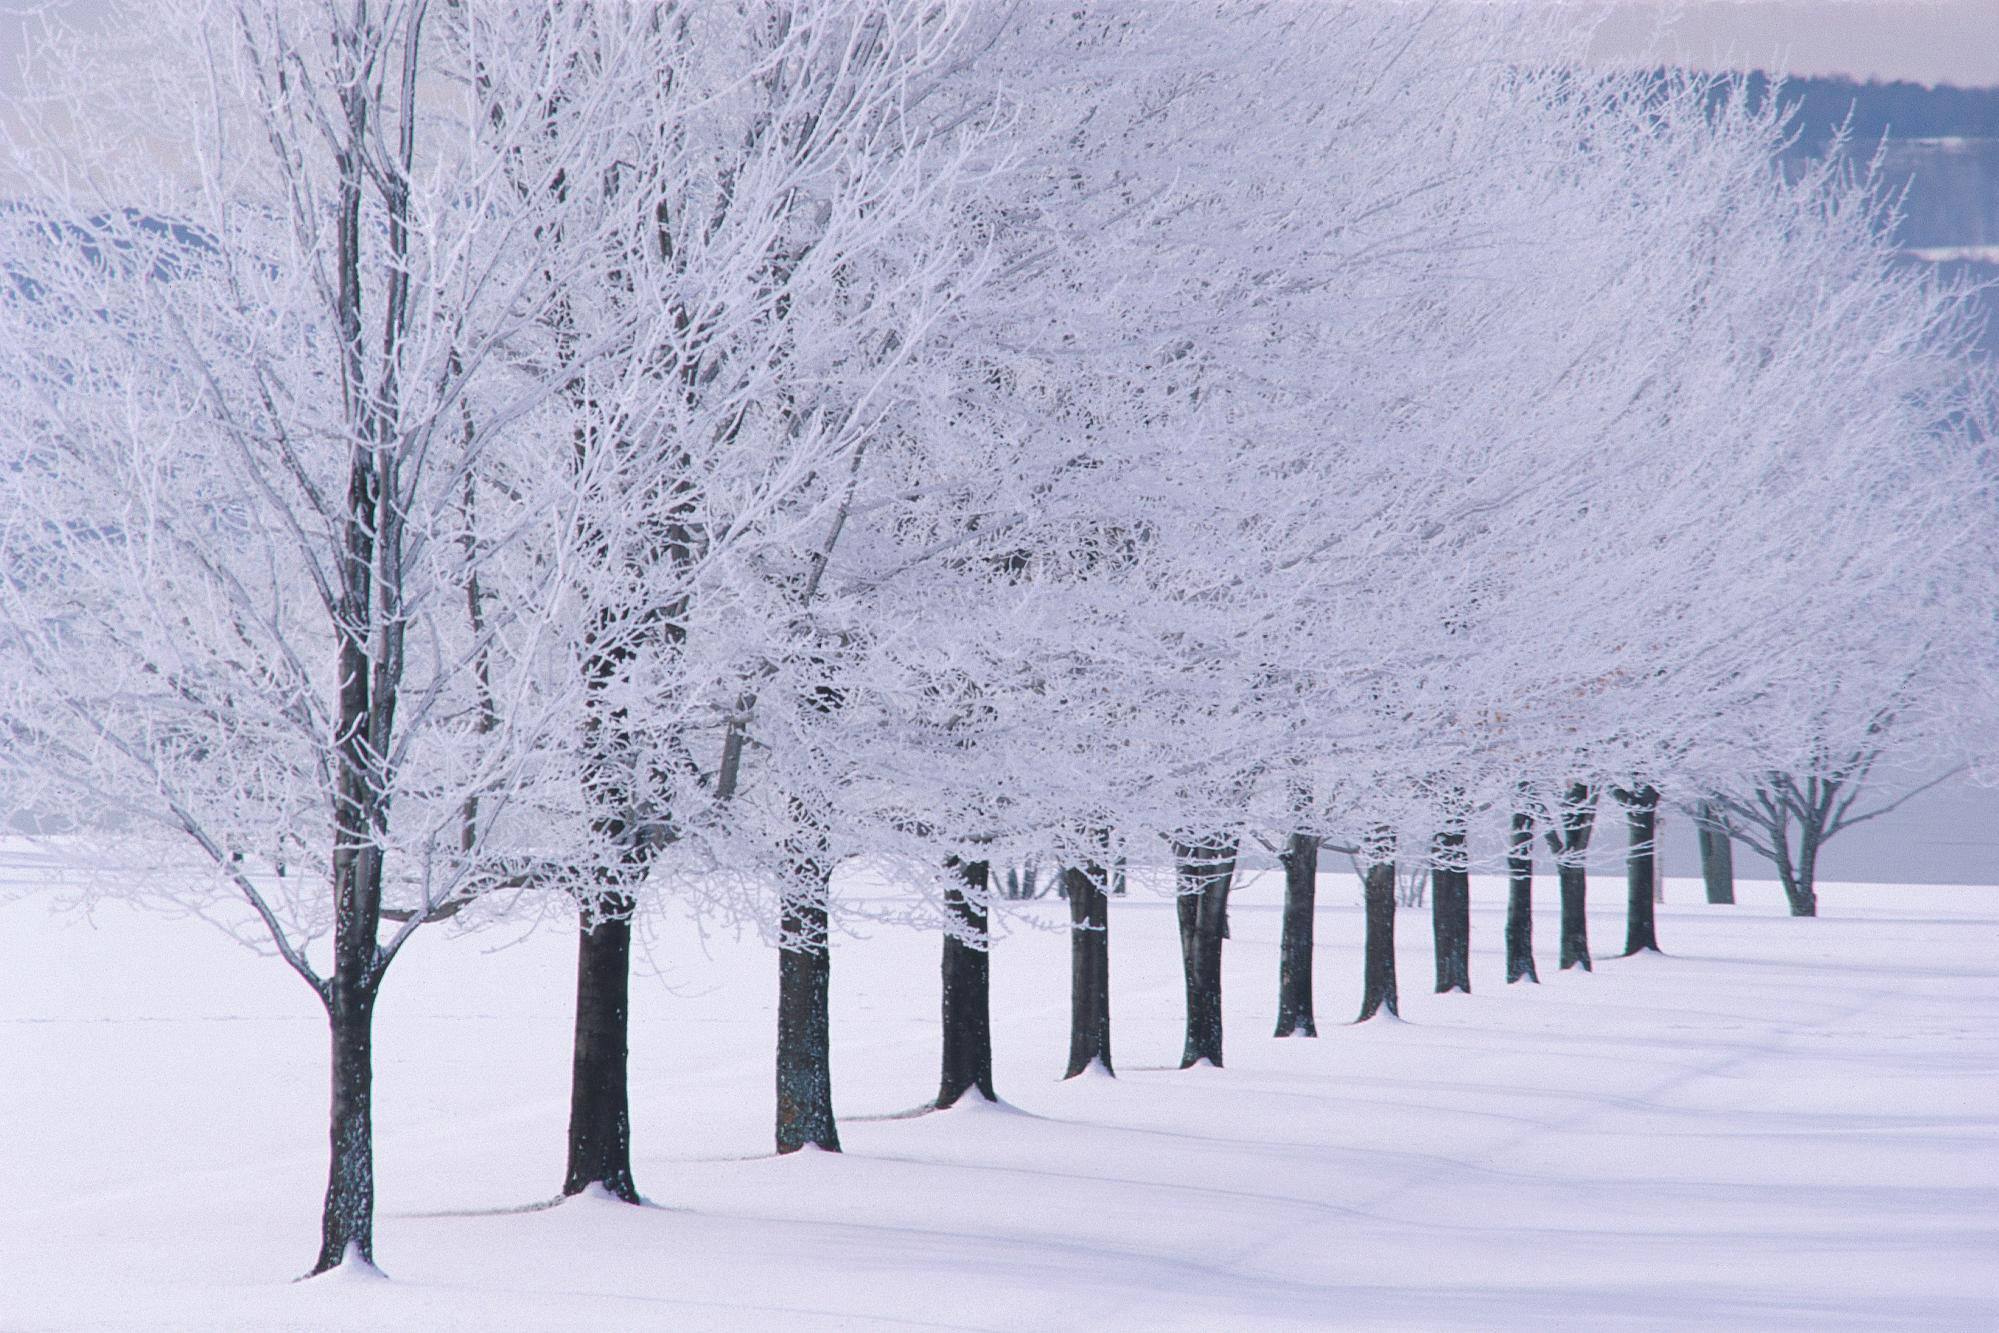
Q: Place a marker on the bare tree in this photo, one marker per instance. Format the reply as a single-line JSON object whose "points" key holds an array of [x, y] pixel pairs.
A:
{"points": [[1789, 817]]}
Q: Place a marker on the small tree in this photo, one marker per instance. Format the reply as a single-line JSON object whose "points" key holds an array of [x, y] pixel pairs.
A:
{"points": [[1789, 817]]}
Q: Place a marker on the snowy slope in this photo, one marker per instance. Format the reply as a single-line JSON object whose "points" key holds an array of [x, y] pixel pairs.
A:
{"points": [[1782, 1124]]}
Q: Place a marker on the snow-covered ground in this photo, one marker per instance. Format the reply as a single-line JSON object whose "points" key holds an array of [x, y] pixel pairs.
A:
{"points": [[1781, 1124]]}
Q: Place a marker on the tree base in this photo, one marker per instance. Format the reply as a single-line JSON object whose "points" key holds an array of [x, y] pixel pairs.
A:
{"points": [[352, 1266], [1095, 1067], [965, 1097], [969, 1097], [620, 1190], [786, 1148], [810, 1150]]}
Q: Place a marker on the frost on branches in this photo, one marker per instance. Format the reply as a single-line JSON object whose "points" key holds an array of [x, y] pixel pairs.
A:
{"points": [[510, 459]]}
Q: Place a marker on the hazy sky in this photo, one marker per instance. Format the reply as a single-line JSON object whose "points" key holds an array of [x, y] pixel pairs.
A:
{"points": [[1930, 41]]}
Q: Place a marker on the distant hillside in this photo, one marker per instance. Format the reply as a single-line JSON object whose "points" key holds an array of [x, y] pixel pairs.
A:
{"points": [[1953, 191], [1892, 110]]}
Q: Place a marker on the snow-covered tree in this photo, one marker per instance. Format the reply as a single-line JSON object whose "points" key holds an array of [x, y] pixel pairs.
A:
{"points": [[1376, 459], [789, 230], [269, 597]]}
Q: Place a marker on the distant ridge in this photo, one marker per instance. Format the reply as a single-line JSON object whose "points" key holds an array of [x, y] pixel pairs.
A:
{"points": [[1898, 110]]}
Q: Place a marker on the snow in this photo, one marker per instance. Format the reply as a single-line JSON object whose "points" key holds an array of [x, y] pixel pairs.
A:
{"points": [[1982, 254], [1782, 1123]]}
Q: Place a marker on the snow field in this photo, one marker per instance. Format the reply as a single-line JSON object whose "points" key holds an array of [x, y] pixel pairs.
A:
{"points": [[1781, 1124]]}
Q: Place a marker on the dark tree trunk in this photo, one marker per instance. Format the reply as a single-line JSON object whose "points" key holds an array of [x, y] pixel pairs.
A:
{"points": [[369, 630], [968, 1025], [347, 1222], [1187, 916], [1570, 843], [614, 635], [1378, 954], [1021, 881], [600, 1125], [1575, 923], [1717, 855], [1803, 897], [1205, 872], [804, 1057], [1800, 880], [1450, 914], [1641, 816], [1294, 951], [1089, 970], [367, 713], [1520, 900]]}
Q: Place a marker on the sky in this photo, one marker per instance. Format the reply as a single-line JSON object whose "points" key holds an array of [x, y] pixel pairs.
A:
{"points": [[1924, 41], [1927, 41]]}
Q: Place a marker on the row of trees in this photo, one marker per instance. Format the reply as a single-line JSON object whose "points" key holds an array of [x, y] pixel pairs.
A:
{"points": [[474, 457]]}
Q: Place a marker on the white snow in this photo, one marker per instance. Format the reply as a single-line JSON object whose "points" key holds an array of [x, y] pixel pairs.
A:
{"points": [[1936, 254], [1782, 1124]]}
